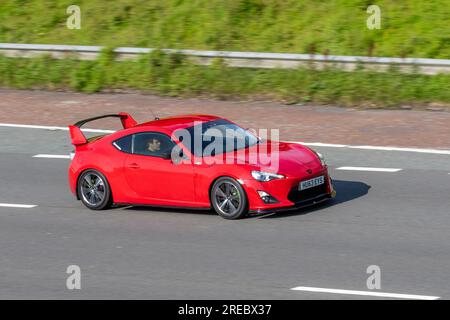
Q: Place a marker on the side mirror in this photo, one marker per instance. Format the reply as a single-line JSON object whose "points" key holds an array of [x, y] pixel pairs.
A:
{"points": [[181, 157], [253, 132]]}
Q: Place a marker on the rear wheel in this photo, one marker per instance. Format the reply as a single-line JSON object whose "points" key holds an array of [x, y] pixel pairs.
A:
{"points": [[94, 190], [229, 199]]}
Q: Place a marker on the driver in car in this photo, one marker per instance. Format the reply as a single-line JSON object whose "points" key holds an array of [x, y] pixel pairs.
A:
{"points": [[154, 146]]}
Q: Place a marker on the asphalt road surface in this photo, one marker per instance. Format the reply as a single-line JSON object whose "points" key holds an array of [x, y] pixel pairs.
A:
{"points": [[396, 220]]}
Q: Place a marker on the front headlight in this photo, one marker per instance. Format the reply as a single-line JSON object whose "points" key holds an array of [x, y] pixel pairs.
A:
{"points": [[266, 176]]}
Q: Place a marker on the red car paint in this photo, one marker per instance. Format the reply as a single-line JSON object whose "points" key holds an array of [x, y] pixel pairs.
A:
{"points": [[145, 180]]}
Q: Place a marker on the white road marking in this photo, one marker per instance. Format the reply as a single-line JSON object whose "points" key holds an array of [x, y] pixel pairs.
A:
{"points": [[320, 144], [312, 144], [369, 169], [52, 156], [417, 150], [12, 205], [52, 128], [366, 293], [376, 148]]}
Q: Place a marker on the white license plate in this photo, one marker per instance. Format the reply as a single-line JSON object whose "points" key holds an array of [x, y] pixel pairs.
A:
{"points": [[311, 183]]}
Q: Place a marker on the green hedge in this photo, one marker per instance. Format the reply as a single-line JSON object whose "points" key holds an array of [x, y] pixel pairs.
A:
{"points": [[174, 75]]}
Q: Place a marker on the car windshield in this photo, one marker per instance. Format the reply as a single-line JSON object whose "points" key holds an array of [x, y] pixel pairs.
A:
{"points": [[215, 137]]}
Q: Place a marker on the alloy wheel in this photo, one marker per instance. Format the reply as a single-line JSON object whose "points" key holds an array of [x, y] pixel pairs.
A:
{"points": [[228, 198], [93, 189]]}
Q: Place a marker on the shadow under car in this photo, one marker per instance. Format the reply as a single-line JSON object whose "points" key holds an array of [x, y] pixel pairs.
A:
{"points": [[345, 191]]}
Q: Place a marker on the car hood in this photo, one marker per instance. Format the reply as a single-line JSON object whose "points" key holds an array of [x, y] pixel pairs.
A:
{"points": [[291, 159]]}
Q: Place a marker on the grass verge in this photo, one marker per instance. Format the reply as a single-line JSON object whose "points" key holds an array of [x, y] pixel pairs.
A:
{"points": [[413, 28], [174, 75]]}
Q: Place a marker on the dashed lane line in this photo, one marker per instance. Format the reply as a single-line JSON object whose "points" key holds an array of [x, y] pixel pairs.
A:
{"points": [[13, 205], [369, 169], [366, 293], [52, 156]]}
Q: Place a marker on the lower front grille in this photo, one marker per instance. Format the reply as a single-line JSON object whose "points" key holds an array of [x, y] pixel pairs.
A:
{"points": [[296, 195]]}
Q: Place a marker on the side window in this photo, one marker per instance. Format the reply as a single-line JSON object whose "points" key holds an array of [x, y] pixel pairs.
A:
{"points": [[152, 144], [124, 144]]}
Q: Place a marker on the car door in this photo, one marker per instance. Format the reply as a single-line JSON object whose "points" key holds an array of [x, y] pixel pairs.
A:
{"points": [[154, 177]]}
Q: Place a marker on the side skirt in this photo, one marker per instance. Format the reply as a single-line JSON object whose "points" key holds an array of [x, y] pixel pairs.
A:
{"points": [[160, 206]]}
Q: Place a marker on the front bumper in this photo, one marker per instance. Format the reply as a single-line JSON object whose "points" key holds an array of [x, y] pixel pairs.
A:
{"points": [[287, 194], [297, 205]]}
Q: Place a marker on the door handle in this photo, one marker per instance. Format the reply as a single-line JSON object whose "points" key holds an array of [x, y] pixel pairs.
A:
{"points": [[133, 166]]}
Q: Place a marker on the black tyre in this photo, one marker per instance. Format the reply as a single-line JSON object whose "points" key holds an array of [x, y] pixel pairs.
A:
{"points": [[229, 199], [94, 190]]}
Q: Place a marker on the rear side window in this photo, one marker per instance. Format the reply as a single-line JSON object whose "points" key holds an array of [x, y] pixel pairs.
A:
{"points": [[124, 144]]}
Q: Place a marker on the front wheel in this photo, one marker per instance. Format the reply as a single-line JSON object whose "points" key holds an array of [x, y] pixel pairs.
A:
{"points": [[94, 190], [229, 199]]}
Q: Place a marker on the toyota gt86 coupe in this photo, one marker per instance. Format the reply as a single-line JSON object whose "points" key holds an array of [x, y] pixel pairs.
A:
{"points": [[150, 164]]}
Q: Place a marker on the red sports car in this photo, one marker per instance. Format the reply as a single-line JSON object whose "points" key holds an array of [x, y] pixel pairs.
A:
{"points": [[194, 161]]}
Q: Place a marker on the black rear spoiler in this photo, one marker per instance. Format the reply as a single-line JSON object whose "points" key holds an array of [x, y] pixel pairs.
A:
{"points": [[78, 137]]}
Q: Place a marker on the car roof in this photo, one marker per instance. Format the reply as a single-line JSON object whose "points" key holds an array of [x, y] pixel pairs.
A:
{"points": [[179, 122]]}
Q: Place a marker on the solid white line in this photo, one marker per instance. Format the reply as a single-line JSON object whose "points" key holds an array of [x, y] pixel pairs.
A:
{"points": [[417, 150], [11, 125], [53, 128], [366, 293], [312, 144], [52, 156], [369, 169], [320, 144], [12, 205], [376, 148]]}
